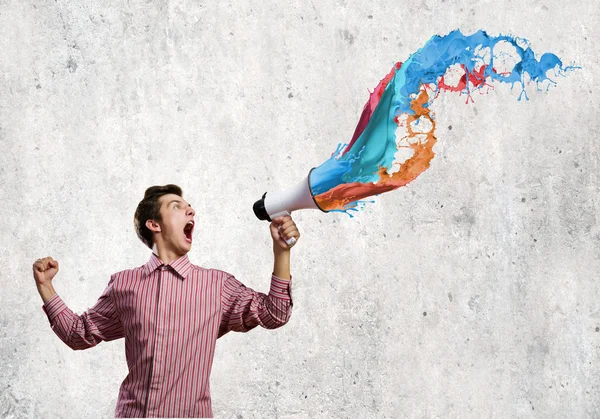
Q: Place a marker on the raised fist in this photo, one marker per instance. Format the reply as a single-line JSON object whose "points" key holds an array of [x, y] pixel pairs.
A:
{"points": [[44, 270]]}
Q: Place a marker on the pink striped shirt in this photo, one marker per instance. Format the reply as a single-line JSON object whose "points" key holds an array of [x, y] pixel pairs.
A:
{"points": [[171, 317]]}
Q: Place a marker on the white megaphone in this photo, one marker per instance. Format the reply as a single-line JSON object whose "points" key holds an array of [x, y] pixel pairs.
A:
{"points": [[277, 204]]}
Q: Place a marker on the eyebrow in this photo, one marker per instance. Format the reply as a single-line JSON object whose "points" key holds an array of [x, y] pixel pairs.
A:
{"points": [[175, 200]]}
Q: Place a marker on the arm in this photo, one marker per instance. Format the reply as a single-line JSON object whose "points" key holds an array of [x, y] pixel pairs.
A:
{"points": [[99, 323], [281, 264], [244, 308]]}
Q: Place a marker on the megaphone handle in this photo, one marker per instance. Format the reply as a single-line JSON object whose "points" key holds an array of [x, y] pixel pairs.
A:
{"points": [[291, 240]]}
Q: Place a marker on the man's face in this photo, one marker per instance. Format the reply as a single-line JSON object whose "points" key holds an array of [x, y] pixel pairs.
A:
{"points": [[176, 229]]}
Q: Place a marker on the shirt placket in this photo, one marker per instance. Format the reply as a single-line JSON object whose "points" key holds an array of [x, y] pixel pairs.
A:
{"points": [[156, 360]]}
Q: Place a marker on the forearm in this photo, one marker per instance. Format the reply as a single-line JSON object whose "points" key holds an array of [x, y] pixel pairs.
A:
{"points": [[46, 291], [281, 264]]}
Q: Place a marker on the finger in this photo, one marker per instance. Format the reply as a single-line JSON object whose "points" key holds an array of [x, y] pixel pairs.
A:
{"points": [[289, 230], [281, 226], [285, 224], [284, 218], [291, 240]]}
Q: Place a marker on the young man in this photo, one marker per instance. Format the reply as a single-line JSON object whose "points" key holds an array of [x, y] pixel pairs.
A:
{"points": [[170, 311]]}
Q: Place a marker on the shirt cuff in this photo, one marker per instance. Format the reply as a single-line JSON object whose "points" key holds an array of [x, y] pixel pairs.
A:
{"points": [[53, 307], [281, 288]]}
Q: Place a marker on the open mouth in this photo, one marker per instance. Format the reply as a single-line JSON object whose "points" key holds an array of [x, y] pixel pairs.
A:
{"points": [[188, 230]]}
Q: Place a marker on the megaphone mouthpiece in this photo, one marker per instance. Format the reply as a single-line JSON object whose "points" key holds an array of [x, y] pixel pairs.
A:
{"points": [[259, 209]]}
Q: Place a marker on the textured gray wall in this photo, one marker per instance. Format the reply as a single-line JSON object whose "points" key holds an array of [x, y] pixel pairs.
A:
{"points": [[473, 292]]}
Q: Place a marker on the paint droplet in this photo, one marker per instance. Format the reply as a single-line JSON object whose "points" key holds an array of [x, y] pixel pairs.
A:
{"points": [[450, 297], [598, 329], [449, 127], [424, 313], [522, 199], [370, 17]]}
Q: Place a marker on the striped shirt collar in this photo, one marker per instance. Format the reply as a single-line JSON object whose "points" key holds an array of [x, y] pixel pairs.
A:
{"points": [[181, 266]]}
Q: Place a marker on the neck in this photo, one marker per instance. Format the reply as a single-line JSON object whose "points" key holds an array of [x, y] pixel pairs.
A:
{"points": [[165, 255]]}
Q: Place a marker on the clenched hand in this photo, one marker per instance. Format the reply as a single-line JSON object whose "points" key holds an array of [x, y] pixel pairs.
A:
{"points": [[44, 270]]}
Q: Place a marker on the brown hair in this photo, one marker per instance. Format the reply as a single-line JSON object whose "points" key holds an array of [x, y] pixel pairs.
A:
{"points": [[149, 209]]}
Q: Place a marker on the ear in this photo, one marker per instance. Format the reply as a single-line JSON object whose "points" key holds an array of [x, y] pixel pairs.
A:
{"points": [[153, 226]]}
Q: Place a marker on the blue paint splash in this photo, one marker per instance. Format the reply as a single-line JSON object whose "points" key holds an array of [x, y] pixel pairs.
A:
{"points": [[368, 166]]}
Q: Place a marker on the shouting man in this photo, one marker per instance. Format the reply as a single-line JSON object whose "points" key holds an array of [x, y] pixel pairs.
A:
{"points": [[170, 311]]}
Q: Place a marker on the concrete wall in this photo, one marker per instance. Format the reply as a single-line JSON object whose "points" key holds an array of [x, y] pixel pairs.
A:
{"points": [[473, 292]]}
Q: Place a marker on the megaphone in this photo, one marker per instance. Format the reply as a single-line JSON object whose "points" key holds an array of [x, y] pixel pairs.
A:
{"points": [[277, 204]]}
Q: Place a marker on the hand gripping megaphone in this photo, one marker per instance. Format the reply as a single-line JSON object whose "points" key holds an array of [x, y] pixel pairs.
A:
{"points": [[277, 204]]}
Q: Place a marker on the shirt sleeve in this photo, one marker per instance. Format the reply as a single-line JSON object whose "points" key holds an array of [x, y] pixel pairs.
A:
{"points": [[99, 323], [243, 308]]}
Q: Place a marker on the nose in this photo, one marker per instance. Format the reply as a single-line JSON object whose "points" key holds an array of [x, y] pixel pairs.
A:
{"points": [[190, 211]]}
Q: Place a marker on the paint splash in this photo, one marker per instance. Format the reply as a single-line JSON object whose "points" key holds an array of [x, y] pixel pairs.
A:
{"points": [[393, 141]]}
